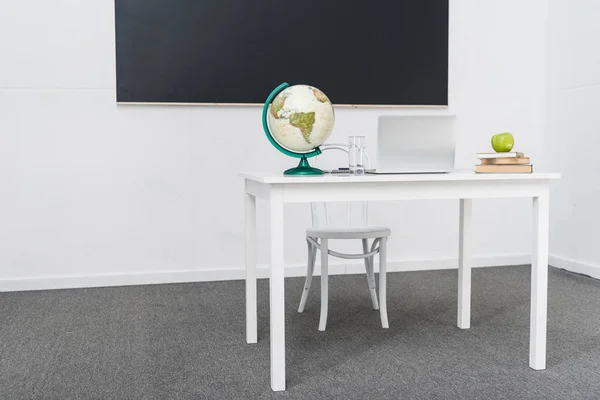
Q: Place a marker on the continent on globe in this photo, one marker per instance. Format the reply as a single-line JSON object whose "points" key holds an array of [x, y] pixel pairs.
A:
{"points": [[320, 95], [277, 106], [303, 121]]}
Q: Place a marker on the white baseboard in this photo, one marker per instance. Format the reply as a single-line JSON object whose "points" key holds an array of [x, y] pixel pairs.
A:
{"points": [[579, 267], [237, 273]]}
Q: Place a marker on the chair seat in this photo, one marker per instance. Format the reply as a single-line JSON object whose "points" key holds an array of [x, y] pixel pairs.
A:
{"points": [[349, 233]]}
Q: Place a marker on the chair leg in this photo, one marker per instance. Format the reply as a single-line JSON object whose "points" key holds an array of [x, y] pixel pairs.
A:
{"points": [[370, 275], [312, 255], [382, 282], [324, 284]]}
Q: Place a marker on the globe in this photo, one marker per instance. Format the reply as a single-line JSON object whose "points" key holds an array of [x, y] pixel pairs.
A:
{"points": [[297, 120]]}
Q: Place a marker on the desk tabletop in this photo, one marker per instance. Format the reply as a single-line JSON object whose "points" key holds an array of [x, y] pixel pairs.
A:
{"points": [[458, 175]]}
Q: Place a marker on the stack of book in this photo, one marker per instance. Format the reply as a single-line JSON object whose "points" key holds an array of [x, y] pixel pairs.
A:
{"points": [[503, 163]]}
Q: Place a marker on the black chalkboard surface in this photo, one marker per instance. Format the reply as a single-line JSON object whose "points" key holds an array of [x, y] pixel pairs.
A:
{"points": [[359, 52]]}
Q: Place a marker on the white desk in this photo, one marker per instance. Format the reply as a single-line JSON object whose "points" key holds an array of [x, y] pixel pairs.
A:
{"points": [[277, 190]]}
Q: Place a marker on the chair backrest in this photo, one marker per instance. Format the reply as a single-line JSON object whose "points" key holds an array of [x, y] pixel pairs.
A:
{"points": [[347, 214]]}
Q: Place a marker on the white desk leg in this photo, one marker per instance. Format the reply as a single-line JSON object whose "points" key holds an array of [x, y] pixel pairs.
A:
{"points": [[383, 283], [251, 314], [539, 284], [464, 265], [277, 285]]}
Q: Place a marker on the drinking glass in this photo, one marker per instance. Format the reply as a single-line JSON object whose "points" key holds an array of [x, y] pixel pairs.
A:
{"points": [[356, 155]]}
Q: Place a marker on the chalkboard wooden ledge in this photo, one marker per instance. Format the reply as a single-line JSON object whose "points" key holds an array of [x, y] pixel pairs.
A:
{"points": [[141, 103]]}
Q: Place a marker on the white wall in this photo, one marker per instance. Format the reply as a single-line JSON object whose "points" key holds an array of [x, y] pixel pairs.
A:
{"points": [[572, 135], [95, 193]]}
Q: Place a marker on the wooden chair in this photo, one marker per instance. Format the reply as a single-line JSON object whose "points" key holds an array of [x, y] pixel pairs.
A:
{"points": [[318, 239]]}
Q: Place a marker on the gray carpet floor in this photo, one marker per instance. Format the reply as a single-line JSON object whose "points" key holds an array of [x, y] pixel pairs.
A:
{"points": [[187, 341]]}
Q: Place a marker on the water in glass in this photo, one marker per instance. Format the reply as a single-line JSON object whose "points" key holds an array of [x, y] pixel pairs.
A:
{"points": [[356, 154]]}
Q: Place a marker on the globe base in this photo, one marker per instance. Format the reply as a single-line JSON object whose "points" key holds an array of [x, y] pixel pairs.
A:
{"points": [[303, 168]]}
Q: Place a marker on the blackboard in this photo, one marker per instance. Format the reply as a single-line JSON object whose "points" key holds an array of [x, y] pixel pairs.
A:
{"points": [[359, 52]]}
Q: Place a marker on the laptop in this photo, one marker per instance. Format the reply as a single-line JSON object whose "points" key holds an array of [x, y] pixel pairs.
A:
{"points": [[415, 144]]}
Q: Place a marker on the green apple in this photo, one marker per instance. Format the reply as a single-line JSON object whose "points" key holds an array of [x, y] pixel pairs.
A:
{"points": [[503, 142]]}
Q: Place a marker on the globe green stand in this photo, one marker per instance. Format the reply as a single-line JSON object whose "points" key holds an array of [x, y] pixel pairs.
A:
{"points": [[303, 167]]}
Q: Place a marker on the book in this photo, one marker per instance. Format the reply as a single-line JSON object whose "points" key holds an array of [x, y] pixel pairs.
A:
{"points": [[482, 168], [505, 161], [513, 154]]}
